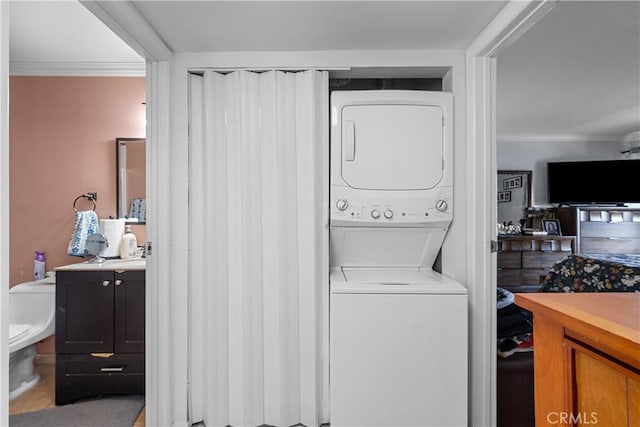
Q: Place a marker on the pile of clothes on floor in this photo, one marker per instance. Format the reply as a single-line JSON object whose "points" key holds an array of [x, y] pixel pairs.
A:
{"points": [[515, 326]]}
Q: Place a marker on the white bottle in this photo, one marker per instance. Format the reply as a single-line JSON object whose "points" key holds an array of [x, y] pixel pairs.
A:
{"points": [[129, 244]]}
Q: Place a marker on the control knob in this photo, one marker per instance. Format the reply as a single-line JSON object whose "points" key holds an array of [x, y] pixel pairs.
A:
{"points": [[441, 205], [342, 204], [375, 214], [388, 214]]}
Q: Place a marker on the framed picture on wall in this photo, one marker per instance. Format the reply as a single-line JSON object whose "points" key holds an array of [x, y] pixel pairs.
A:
{"points": [[513, 182], [552, 227], [504, 196]]}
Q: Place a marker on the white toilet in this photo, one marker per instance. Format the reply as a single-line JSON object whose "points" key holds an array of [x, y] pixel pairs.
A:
{"points": [[31, 319]]}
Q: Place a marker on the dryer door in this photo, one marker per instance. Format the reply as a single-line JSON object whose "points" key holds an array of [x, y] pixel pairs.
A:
{"points": [[392, 147]]}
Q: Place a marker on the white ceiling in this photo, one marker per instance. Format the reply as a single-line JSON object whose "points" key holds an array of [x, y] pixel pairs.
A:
{"points": [[573, 75], [214, 26]]}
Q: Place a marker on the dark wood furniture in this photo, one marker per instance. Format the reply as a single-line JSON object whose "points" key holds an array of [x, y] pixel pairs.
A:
{"points": [[602, 230], [100, 333], [586, 357], [522, 260]]}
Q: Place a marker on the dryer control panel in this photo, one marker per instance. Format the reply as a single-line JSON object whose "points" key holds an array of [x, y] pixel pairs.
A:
{"points": [[372, 212]]}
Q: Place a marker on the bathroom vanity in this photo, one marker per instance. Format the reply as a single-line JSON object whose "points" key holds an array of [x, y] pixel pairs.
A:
{"points": [[100, 331]]}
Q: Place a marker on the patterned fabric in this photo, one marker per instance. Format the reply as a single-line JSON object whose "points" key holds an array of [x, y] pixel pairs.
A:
{"points": [[632, 260], [138, 210], [578, 273], [85, 225]]}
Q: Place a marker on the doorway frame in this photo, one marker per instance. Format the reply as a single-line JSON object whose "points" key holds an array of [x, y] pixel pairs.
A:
{"points": [[4, 211], [165, 394], [481, 62]]}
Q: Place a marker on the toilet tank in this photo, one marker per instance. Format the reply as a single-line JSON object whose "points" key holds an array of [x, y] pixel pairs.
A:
{"points": [[33, 303]]}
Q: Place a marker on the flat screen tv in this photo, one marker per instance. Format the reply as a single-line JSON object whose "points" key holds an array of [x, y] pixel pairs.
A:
{"points": [[594, 182]]}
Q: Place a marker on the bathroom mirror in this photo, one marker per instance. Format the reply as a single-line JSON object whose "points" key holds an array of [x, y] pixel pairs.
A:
{"points": [[514, 195], [130, 174]]}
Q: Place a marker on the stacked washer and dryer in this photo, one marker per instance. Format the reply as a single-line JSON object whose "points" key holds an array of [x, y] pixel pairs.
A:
{"points": [[398, 329]]}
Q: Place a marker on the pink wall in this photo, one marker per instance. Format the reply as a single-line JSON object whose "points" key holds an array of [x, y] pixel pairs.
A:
{"points": [[62, 134]]}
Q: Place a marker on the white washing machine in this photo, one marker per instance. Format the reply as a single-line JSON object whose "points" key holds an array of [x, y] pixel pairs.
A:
{"points": [[398, 329]]}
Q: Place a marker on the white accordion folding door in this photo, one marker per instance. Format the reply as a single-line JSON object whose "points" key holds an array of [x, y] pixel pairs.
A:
{"points": [[258, 248]]}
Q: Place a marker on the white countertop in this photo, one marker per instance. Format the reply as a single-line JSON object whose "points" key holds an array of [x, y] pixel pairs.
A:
{"points": [[110, 264]]}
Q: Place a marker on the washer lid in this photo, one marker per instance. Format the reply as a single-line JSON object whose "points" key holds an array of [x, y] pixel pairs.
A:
{"points": [[392, 281]]}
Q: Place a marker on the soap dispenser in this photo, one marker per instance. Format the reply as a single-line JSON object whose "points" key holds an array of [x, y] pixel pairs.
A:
{"points": [[129, 245]]}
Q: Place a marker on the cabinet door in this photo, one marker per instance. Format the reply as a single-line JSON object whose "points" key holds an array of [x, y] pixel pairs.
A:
{"points": [[599, 389], [129, 312], [84, 312], [633, 386]]}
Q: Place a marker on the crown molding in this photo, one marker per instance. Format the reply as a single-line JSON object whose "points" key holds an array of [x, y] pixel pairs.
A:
{"points": [[78, 69]]}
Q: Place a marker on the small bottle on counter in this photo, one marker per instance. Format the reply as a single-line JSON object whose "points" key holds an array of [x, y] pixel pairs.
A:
{"points": [[39, 265], [129, 245]]}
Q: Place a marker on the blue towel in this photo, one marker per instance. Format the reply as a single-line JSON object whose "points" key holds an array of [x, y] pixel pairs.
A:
{"points": [[85, 225]]}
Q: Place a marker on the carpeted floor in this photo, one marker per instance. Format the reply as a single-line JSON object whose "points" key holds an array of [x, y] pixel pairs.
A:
{"points": [[109, 412]]}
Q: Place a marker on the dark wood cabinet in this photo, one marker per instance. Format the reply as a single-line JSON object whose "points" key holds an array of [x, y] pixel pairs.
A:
{"points": [[603, 230], [522, 260], [99, 333]]}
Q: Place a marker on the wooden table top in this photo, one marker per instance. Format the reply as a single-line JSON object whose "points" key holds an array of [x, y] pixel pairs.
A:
{"points": [[608, 321]]}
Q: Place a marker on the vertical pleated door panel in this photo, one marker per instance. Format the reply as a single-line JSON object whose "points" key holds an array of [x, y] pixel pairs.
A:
{"points": [[257, 248]]}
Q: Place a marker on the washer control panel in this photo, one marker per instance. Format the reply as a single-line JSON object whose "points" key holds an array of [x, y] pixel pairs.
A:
{"points": [[353, 210]]}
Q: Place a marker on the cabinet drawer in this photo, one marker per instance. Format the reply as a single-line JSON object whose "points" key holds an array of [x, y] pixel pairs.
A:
{"points": [[609, 245], [544, 260], [80, 376], [610, 229], [118, 364], [511, 278], [509, 260]]}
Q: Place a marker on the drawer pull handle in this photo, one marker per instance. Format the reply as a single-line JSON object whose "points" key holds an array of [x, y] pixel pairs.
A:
{"points": [[106, 283], [118, 369], [118, 282], [102, 355]]}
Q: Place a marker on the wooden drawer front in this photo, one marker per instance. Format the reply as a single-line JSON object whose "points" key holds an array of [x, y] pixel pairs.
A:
{"points": [[603, 245], [80, 376], [509, 260], [607, 229], [511, 278], [118, 364], [544, 260]]}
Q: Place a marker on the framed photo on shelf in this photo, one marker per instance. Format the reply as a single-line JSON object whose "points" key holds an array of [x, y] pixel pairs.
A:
{"points": [[552, 227]]}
